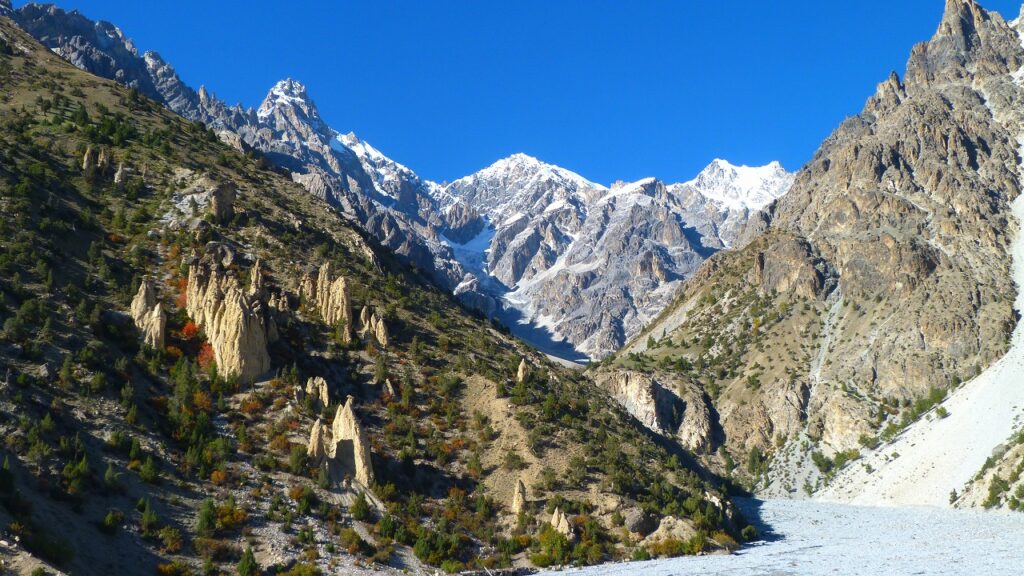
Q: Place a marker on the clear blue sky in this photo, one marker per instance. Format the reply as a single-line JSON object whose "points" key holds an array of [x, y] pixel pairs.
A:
{"points": [[613, 90]]}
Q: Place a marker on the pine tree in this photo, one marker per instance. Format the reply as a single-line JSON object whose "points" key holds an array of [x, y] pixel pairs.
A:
{"points": [[247, 565], [206, 519]]}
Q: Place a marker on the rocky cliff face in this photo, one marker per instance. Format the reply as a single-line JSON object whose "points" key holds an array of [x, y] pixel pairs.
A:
{"points": [[663, 403], [235, 324], [883, 272]]}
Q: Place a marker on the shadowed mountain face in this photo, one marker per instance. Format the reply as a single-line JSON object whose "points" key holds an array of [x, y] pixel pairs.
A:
{"points": [[883, 273], [513, 240]]}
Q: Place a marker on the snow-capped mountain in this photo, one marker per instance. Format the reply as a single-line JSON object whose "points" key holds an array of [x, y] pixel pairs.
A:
{"points": [[593, 264], [535, 244]]}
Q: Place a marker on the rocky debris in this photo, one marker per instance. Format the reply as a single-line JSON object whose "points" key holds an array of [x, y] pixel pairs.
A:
{"points": [[234, 323], [390, 389], [148, 314], [524, 371], [343, 449], [560, 522], [332, 300], [222, 201], [519, 498]]}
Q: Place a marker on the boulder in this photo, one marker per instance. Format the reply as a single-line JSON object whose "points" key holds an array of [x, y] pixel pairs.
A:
{"points": [[639, 521]]}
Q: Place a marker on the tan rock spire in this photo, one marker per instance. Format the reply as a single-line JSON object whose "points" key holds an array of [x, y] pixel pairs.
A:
{"points": [[148, 314], [519, 497], [233, 322]]}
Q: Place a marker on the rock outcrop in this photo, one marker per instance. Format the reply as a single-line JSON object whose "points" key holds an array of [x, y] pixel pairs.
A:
{"points": [[560, 522], [88, 160], [519, 497], [663, 403], [222, 201], [120, 177], [333, 301], [234, 323], [373, 327], [148, 314], [316, 387], [524, 371], [343, 448]]}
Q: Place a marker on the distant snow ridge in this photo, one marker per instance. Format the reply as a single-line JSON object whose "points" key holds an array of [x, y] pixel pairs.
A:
{"points": [[590, 264], [741, 187]]}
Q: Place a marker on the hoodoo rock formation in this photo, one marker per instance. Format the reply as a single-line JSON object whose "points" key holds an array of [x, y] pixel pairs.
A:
{"points": [[519, 497], [234, 322], [222, 201], [343, 448], [148, 314]]}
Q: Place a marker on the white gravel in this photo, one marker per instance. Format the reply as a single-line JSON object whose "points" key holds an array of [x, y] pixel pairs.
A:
{"points": [[811, 538]]}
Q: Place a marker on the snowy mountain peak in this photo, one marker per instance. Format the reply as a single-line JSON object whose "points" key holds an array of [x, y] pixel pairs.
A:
{"points": [[288, 93], [741, 187], [520, 167]]}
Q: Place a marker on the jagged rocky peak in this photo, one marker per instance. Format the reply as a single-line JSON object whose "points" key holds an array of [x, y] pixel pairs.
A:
{"points": [[288, 102], [970, 42]]}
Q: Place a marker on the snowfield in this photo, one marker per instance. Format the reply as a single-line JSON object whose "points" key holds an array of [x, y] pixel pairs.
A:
{"points": [[810, 538]]}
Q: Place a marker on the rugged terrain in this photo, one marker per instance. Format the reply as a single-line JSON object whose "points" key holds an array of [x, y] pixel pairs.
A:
{"points": [[881, 281], [571, 266], [181, 393]]}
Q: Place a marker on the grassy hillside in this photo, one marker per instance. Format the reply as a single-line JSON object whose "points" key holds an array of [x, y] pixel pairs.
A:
{"points": [[119, 457]]}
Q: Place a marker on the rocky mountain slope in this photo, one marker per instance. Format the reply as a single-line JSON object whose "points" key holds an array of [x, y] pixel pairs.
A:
{"points": [[464, 232], [882, 279], [181, 393]]}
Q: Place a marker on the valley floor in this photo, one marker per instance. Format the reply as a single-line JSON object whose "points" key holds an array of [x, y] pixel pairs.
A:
{"points": [[810, 538]]}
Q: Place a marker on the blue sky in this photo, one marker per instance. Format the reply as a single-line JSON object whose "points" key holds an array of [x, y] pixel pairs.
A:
{"points": [[612, 90]]}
